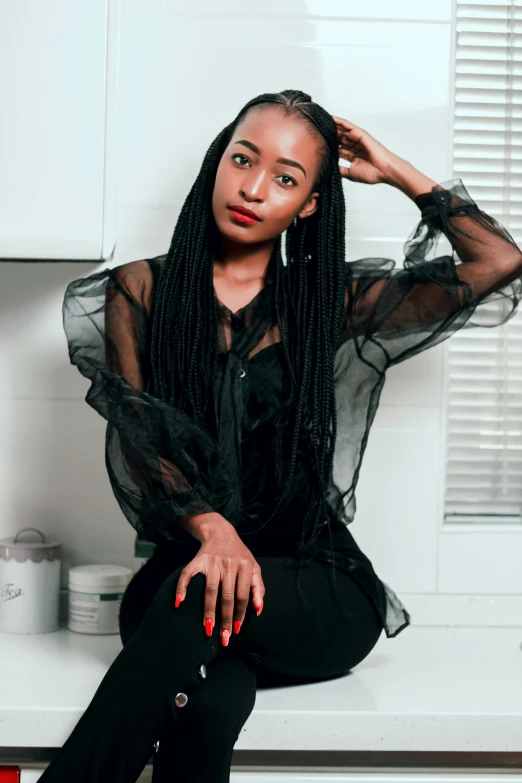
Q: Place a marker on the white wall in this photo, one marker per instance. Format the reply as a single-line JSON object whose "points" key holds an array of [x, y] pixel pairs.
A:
{"points": [[185, 70]]}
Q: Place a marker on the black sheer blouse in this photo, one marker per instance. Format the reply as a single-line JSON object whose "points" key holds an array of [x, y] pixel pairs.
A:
{"points": [[161, 464]]}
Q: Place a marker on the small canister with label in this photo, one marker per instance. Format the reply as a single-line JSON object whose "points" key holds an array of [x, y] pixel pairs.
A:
{"points": [[29, 583], [95, 593]]}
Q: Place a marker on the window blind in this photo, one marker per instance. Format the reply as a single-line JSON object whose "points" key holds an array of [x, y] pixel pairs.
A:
{"points": [[484, 370]]}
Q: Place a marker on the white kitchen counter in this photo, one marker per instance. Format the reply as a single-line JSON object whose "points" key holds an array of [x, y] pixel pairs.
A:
{"points": [[429, 689]]}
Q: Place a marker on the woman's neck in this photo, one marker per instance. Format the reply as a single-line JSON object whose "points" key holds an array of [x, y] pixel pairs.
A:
{"points": [[242, 263]]}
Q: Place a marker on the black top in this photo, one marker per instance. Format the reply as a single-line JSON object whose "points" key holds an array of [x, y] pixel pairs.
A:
{"points": [[162, 464]]}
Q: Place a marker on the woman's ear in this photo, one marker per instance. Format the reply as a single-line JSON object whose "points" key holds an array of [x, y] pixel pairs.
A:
{"points": [[310, 206]]}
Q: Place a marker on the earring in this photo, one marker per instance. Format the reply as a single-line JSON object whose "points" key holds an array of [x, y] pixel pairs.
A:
{"points": [[295, 222], [283, 248]]}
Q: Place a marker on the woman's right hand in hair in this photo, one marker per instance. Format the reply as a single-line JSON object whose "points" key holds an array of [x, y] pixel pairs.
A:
{"points": [[371, 162], [225, 561]]}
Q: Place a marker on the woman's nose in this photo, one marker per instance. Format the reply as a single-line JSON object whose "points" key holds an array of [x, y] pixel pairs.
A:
{"points": [[254, 186]]}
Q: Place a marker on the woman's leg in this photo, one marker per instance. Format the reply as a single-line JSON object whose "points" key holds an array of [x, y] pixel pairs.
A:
{"points": [[307, 636], [197, 742], [114, 738], [192, 740], [201, 749]]}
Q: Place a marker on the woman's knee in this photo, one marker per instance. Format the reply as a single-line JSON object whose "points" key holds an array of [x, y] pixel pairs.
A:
{"points": [[144, 590]]}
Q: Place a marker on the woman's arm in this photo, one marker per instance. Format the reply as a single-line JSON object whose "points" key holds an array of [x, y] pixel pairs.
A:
{"points": [[425, 291], [167, 473], [490, 257], [405, 310]]}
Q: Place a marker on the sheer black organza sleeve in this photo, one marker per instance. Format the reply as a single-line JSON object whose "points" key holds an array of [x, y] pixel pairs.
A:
{"points": [[394, 313], [161, 464], [399, 312]]}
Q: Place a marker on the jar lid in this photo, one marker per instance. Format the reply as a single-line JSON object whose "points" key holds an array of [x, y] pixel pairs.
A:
{"points": [[99, 575], [44, 549]]}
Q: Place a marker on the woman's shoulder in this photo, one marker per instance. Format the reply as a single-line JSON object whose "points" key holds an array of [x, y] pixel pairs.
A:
{"points": [[139, 278]]}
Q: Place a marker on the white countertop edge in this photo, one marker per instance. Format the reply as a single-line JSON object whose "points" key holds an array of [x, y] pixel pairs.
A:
{"points": [[270, 730], [381, 732]]}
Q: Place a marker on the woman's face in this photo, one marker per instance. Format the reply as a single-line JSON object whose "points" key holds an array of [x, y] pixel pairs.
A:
{"points": [[251, 175]]}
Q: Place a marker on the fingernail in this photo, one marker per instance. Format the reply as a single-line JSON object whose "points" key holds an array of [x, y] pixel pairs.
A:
{"points": [[237, 626], [208, 626], [260, 608], [178, 600], [225, 637]]}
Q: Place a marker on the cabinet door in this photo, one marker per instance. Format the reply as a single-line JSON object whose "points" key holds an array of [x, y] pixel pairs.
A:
{"points": [[53, 61]]}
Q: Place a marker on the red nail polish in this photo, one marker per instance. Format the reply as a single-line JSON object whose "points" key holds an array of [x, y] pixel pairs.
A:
{"points": [[208, 626], [237, 626], [225, 637], [260, 608], [178, 600]]}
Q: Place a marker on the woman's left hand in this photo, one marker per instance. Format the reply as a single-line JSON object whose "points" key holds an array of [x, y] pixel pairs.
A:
{"points": [[371, 161]]}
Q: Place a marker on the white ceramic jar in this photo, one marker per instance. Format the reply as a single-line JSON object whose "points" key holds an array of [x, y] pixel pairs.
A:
{"points": [[95, 593], [29, 584]]}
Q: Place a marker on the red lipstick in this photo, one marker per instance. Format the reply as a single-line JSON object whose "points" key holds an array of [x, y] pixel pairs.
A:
{"points": [[243, 215]]}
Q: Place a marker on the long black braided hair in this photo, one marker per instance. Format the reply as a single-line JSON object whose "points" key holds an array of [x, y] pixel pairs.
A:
{"points": [[309, 292]]}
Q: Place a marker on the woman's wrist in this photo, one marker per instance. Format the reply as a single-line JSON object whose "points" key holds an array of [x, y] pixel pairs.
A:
{"points": [[412, 182], [205, 526]]}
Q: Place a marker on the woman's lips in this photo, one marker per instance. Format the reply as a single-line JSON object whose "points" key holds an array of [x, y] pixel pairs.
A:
{"points": [[244, 219]]}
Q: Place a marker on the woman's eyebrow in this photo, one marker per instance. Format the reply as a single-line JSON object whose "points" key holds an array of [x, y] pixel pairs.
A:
{"points": [[255, 148]]}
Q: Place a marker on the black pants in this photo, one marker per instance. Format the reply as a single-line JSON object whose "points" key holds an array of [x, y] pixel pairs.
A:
{"points": [[294, 640]]}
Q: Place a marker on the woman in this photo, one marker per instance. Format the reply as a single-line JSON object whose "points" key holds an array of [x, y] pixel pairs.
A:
{"points": [[239, 375]]}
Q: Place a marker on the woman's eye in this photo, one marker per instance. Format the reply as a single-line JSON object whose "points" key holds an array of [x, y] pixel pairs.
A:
{"points": [[287, 177], [238, 155]]}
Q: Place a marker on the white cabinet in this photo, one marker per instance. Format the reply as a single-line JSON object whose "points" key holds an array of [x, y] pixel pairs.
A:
{"points": [[58, 108], [371, 777]]}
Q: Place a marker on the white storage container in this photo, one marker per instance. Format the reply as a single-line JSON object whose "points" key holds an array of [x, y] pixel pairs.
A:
{"points": [[95, 593], [29, 584]]}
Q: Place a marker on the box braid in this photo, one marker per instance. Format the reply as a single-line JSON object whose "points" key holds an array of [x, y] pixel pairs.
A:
{"points": [[309, 292]]}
